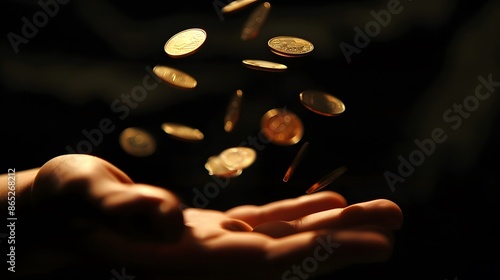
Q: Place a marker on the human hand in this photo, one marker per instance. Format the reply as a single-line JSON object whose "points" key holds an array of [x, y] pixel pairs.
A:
{"points": [[141, 226]]}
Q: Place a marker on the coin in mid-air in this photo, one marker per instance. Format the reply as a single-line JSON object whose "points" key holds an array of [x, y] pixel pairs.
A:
{"points": [[282, 127], [185, 42], [233, 111], [182, 132], [236, 6], [175, 77], [238, 157], [322, 103], [214, 166], [264, 65], [137, 142], [290, 46], [255, 21]]}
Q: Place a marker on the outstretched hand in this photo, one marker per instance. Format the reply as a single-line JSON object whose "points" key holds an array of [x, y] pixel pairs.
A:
{"points": [[104, 217]]}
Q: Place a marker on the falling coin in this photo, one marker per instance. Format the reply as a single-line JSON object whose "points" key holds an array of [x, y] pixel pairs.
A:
{"points": [[182, 132], [238, 157], [328, 179], [137, 142], [233, 111], [264, 65], [175, 77], [185, 42], [290, 46], [255, 21], [322, 103], [282, 127], [214, 166], [295, 162], [236, 5]]}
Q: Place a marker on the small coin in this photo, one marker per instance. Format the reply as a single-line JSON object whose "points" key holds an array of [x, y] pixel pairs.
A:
{"points": [[236, 6], [137, 142], [182, 132], [264, 65], [255, 21], [214, 166], [175, 77], [290, 46], [328, 179], [282, 127], [185, 42], [322, 103], [295, 162], [238, 157], [233, 111]]}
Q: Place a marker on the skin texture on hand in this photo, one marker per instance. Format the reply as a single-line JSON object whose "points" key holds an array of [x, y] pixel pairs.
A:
{"points": [[104, 217]]}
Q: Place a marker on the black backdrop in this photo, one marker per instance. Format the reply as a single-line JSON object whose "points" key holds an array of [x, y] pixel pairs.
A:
{"points": [[62, 78]]}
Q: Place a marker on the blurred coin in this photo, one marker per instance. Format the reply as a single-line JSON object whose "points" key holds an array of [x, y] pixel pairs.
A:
{"points": [[322, 103], [282, 127], [185, 42], [236, 5], [328, 179], [233, 111], [137, 142], [295, 162], [175, 77], [238, 157], [264, 65], [290, 46], [182, 132], [215, 167], [255, 21]]}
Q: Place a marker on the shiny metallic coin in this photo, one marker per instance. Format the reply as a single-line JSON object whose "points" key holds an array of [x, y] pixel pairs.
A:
{"points": [[175, 77], [137, 142], [290, 46], [282, 127], [238, 157], [236, 6], [233, 111], [328, 179], [255, 21], [295, 162], [322, 103], [215, 167], [182, 132], [264, 65], [185, 42]]}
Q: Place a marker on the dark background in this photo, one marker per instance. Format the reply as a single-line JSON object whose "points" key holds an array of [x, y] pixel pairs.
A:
{"points": [[429, 56]]}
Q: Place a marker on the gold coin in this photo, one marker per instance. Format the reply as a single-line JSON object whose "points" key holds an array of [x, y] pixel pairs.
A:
{"points": [[238, 157], [236, 5], [137, 142], [185, 42], [215, 167], [182, 132], [328, 179], [290, 46], [233, 111], [322, 103], [255, 21], [282, 127], [175, 77], [264, 65]]}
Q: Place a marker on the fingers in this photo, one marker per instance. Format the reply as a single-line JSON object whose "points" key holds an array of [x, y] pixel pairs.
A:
{"points": [[288, 209]]}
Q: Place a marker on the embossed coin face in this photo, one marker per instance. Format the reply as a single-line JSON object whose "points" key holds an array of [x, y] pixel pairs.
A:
{"points": [[238, 157], [282, 127], [214, 166], [182, 132], [175, 77], [236, 5], [137, 142], [264, 65], [290, 46], [255, 21], [185, 42], [322, 103]]}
